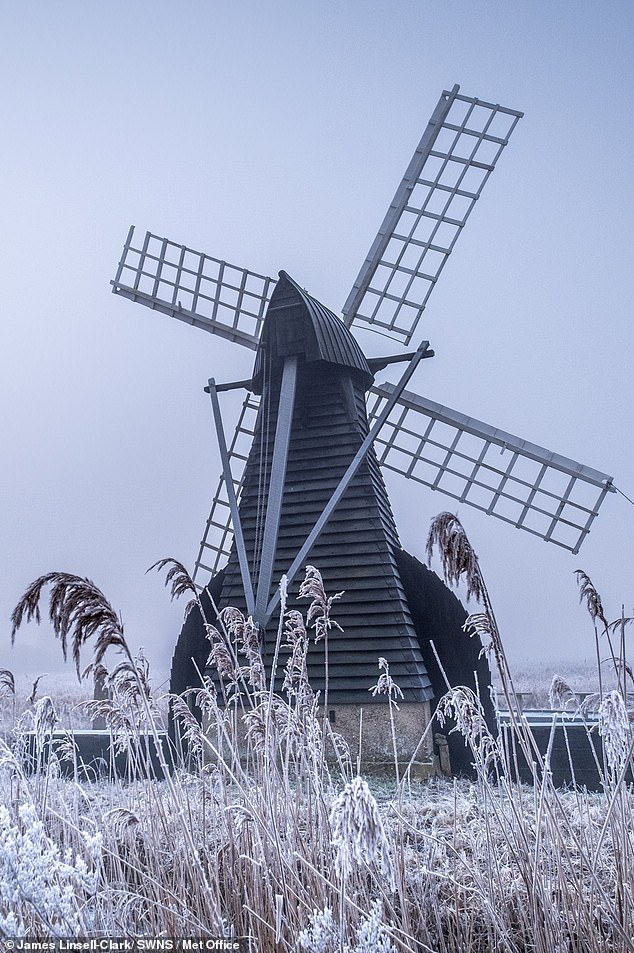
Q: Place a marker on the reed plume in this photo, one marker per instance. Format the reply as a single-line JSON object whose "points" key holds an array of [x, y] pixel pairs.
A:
{"points": [[358, 834], [7, 682], [590, 594], [460, 562], [78, 610], [560, 694], [179, 581], [318, 614], [457, 555]]}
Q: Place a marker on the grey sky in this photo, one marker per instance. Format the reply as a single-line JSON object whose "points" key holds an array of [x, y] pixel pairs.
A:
{"points": [[273, 135]]}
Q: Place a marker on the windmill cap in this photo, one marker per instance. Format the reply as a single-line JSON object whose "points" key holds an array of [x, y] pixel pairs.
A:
{"points": [[297, 324]]}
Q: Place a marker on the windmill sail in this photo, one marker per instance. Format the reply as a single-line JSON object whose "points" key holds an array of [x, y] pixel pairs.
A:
{"points": [[542, 492], [195, 288], [458, 152]]}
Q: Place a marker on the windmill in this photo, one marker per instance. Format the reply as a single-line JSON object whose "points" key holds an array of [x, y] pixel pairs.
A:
{"points": [[301, 475]]}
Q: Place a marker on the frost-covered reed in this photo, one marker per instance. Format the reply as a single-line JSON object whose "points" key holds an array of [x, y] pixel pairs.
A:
{"points": [[257, 833]]}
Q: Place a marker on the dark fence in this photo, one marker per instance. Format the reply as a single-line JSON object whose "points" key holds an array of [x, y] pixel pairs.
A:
{"points": [[91, 755]]}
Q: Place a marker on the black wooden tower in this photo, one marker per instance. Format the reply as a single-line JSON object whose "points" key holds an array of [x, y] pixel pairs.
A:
{"points": [[313, 379]]}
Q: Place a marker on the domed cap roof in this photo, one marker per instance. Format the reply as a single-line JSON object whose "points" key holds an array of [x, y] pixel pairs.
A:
{"points": [[298, 324]]}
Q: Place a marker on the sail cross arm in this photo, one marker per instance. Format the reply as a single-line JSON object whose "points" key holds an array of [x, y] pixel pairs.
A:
{"points": [[505, 476], [215, 546]]}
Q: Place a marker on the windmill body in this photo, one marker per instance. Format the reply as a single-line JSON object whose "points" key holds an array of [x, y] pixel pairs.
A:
{"points": [[356, 550], [301, 481]]}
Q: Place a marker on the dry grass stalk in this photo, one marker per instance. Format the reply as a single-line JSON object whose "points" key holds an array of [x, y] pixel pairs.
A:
{"points": [[387, 686], [319, 616], [614, 727], [594, 605], [34, 689], [459, 562], [463, 706], [7, 688]]}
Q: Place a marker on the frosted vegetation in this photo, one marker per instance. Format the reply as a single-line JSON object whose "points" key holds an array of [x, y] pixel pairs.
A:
{"points": [[265, 828]]}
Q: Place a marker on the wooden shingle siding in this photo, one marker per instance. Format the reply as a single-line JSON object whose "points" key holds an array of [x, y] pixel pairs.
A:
{"points": [[356, 550]]}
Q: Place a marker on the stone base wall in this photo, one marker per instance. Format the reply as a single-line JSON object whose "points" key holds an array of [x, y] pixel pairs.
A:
{"points": [[371, 726]]}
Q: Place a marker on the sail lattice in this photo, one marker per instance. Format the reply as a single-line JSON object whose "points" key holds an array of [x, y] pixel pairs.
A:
{"points": [[503, 475]]}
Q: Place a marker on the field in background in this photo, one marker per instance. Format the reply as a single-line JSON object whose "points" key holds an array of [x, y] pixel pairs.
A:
{"points": [[67, 695], [532, 680]]}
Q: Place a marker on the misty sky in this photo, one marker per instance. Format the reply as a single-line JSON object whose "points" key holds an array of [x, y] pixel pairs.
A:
{"points": [[273, 134]]}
